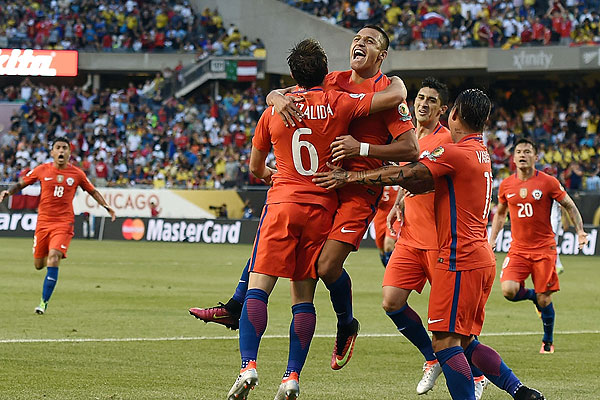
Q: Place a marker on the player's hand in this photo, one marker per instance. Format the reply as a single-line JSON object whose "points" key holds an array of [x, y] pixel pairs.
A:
{"points": [[582, 239], [286, 107], [333, 179], [112, 213], [394, 215], [268, 178], [492, 243], [3, 194], [344, 147]]}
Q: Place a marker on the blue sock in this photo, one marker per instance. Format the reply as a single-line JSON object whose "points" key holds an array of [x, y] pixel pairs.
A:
{"points": [[409, 324], [242, 287], [457, 372], [525, 294], [340, 293], [548, 321], [253, 323], [490, 363], [49, 282], [385, 258], [302, 330]]}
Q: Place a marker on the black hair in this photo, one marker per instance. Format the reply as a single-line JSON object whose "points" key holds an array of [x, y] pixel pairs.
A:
{"points": [[526, 141], [60, 139], [384, 36], [308, 63], [473, 107], [441, 88]]}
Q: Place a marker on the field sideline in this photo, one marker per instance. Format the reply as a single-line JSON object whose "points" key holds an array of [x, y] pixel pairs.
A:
{"points": [[117, 327]]}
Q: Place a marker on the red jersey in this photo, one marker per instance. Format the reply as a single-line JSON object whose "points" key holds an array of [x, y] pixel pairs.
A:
{"points": [[387, 199], [373, 129], [530, 205], [418, 227], [462, 174], [58, 189], [303, 150]]}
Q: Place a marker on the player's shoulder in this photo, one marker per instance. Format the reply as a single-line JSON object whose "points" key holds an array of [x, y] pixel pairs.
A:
{"points": [[380, 81], [507, 182], [336, 79]]}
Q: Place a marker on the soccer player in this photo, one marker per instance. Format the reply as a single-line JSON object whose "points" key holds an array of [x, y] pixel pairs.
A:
{"points": [[528, 196], [298, 214], [384, 238], [461, 281], [365, 147], [54, 230]]}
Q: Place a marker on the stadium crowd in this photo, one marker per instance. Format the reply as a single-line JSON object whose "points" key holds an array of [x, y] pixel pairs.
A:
{"points": [[130, 26], [431, 24], [129, 137]]}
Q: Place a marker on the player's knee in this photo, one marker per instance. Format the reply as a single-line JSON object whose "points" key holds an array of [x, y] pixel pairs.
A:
{"points": [[509, 293], [391, 305], [329, 269], [543, 300], [53, 260], [39, 263]]}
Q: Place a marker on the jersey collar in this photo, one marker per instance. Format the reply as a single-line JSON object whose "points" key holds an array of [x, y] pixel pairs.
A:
{"points": [[313, 89], [474, 136]]}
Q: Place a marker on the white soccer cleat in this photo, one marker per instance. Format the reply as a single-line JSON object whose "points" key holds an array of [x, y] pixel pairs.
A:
{"points": [[289, 388], [244, 383], [431, 371], [481, 383], [41, 309]]}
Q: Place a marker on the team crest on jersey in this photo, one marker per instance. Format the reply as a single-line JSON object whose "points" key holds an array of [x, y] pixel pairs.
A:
{"points": [[60, 178], [523, 193], [435, 154], [404, 112], [70, 181], [537, 194], [357, 95]]}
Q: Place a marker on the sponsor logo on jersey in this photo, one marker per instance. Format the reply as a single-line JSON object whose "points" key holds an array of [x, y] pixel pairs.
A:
{"points": [[404, 112], [523, 193], [537, 194], [70, 181], [60, 178], [508, 196]]}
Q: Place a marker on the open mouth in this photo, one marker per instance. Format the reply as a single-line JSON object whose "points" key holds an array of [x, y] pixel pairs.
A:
{"points": [[422, 111], [61, 157], [358, 53]]}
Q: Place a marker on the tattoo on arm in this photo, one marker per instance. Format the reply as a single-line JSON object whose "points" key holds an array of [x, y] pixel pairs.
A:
{"points": [[16, 188], [414, 177], [571, 208]]}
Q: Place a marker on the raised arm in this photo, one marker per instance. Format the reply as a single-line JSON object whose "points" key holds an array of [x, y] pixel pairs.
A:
{"points": [[16, 188], [100, 199], [285, 106], [414, 177], [498, 223], [569, 205], [390, 97]]}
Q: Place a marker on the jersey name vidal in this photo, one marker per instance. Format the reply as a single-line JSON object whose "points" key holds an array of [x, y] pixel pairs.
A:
{"points": [[529, 206]]}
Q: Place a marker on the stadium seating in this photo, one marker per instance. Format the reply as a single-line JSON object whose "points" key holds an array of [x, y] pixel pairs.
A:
{"points": [[421, 25]]}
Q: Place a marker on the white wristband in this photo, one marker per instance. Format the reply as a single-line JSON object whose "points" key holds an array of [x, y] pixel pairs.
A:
{"points": [[364, 149]]}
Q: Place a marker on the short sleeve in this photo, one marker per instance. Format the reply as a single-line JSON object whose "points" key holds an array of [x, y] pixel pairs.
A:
{"points": [[502, 192], [262, 138], [398, 120], [33, 175], [355, 104], [442, 160], [556, 190], [85, 183]]}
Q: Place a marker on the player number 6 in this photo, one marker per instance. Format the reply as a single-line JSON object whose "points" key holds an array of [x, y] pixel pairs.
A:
{"points": [[297, 146]]}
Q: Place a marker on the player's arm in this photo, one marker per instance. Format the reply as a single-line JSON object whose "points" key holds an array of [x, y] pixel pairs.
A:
{"points": [[403, 148], [258, 167], [100, 199], [498, 223], [285, 106], [396, 212], [390, 97], [414, 177], [569, 205], [16, 188]]}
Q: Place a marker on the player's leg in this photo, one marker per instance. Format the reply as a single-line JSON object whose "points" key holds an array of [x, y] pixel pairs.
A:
{"points": [[253, 323], [48, 249], [302, 329], [227, 314], [515, 269], [545, 281], [388, 248]]}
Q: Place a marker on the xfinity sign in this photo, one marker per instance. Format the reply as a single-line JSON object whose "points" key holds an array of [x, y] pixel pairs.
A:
{"points": [[533, 59], [30, 62]]}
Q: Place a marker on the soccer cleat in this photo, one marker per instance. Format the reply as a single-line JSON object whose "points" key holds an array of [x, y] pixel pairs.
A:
{"points": [[481, 383], [344, 344], [244, 383], [547, 348], [219, 315], [431, 371], [525, 393], [560, 269], [41, 309], [289, 388]]}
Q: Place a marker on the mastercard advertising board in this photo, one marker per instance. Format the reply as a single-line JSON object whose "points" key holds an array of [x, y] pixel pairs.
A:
{"points": [[30, 62]]}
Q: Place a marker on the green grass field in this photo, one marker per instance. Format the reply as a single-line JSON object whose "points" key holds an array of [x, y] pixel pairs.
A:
{"points": [[118, 328]]}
